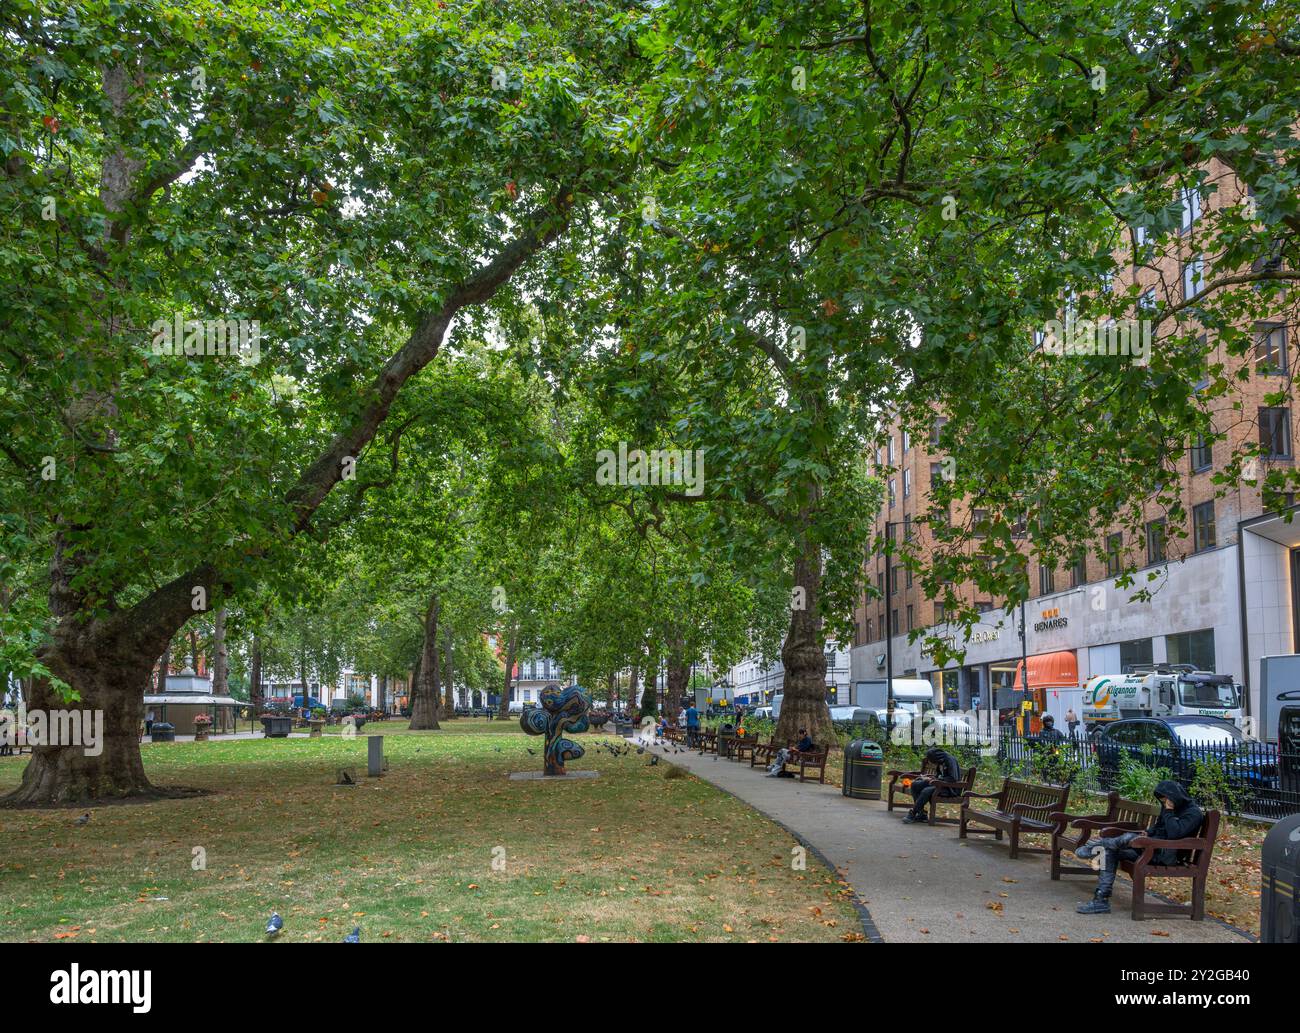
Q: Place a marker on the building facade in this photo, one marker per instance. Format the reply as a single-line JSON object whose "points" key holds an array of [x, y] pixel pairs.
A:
{"points": [[1221, 598], [753, 683]]}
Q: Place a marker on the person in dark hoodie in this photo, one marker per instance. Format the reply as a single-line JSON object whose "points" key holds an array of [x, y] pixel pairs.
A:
{"points": [[1179, 818], [946, 769]]}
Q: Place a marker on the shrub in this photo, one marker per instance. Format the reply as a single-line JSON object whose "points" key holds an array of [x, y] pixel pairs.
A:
{"points": [[1212, 789], [1137, 779]]}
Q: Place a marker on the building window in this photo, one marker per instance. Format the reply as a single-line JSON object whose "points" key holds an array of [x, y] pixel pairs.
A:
{"points": [[892, 492], [880, 582], [889, 450], [1191, 198], [1275, 433], [979, 522], [1270, 349], [1114, 557], [1140, 235], [936, 474], [907, 441], [1203, 527], [1046, 579], [871, 630], [939, 615], [1078, 572], [1193, 277], [1202, 454], [1156, 541], [893, 619], [1136, 651], [893, 588], [983, 606], [936, 429], [909, 617], [1192, 647], [909, 577], [907, 484], [1019, 524]]}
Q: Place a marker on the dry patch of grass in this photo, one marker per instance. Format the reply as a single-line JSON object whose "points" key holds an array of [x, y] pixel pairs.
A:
{"points": [[443, 847]]}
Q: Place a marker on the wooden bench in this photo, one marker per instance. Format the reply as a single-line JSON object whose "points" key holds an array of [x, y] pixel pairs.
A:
{"points": [[706, 742], [1017, 807], [955, 791], [763, 753], [1121, 816], [811, 759], [746, 745], [1196, 868]]}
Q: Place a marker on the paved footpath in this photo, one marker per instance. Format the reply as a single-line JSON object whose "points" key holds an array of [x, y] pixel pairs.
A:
{"points": [[922, 883]]}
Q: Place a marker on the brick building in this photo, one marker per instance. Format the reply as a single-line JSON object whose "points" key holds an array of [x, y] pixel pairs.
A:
{"points": [[1224, 596]]}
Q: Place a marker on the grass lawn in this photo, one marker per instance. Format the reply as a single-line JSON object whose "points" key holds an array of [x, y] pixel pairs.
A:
{"points": [[631, 855]]}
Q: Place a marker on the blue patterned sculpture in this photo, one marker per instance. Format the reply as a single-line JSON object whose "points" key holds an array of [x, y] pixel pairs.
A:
{"points": [[562, 711]]}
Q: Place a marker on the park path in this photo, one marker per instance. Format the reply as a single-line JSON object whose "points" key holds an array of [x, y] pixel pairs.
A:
{"points": [[921, 883]]}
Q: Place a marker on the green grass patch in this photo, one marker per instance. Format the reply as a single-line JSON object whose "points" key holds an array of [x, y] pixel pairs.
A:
{"points": [[631, 855]]}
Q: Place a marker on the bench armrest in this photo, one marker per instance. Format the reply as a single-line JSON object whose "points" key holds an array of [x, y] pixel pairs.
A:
{"points": [[1144, 842]]}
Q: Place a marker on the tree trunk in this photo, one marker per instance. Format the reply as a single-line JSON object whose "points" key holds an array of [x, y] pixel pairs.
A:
{"points": [[255, 675], [382, 702], [111, 673], [650, 698], [512, 648], [679, 674], [220, 655], [448, 701], [803, 656], [424, 694]]}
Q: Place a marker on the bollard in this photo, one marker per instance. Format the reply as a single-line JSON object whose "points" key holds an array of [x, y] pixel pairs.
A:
{"points": [[374, 755]]}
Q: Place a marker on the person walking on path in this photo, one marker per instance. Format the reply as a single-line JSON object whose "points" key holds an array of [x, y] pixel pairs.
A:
{"points": [[692, 725], [1072, 723]]}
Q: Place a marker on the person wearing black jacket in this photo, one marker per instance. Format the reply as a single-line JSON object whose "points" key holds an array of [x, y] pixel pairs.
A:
{"points": [[1179, 818], [946, 769]]}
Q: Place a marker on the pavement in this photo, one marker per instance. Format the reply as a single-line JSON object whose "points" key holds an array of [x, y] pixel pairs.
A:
{"points": [[921, 883]]}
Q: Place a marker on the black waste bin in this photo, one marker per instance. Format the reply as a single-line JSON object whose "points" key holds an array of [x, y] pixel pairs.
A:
{"points": [[1279, 901], [726, 740], [162, 732], [864, 766]]}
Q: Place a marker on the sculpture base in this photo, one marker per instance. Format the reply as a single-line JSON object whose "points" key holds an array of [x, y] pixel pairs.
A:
{"points": [[541, 776]]}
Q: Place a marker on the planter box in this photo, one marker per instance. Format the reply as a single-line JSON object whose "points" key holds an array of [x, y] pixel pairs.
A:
{"points": [[316, 724], [277, 727]]}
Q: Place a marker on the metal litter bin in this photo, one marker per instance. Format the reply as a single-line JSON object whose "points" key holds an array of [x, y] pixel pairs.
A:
{"points": [[864, 766], [726, 740], [162, 732], [1279, 899]]}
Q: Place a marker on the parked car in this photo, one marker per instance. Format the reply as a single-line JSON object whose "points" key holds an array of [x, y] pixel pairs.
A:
{"points": [[762, 713], [855, 715], [1177, 743]]}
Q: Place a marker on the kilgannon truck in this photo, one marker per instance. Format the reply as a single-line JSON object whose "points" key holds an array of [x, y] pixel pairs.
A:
{"points": [[1160, 691]]}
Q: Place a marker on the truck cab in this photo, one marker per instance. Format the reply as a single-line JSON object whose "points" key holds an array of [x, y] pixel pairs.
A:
{"points": [[1165, 690]]}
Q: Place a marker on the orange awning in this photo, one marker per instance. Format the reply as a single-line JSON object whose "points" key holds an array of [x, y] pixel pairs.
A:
{"points": [[1050, 671]]}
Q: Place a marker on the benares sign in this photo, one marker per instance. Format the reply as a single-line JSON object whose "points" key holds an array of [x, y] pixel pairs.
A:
{"points": [[1052, 620]]}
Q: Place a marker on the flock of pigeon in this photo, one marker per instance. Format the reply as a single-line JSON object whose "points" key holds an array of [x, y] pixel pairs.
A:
{"points": [[276, 923]]}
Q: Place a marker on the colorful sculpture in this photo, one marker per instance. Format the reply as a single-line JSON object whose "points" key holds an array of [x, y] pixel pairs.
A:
{"points": [[561, 711]]}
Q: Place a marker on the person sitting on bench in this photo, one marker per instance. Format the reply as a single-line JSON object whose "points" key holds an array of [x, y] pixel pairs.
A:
{"points": [[1179, 818], [946, 769], [785, 754]]}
